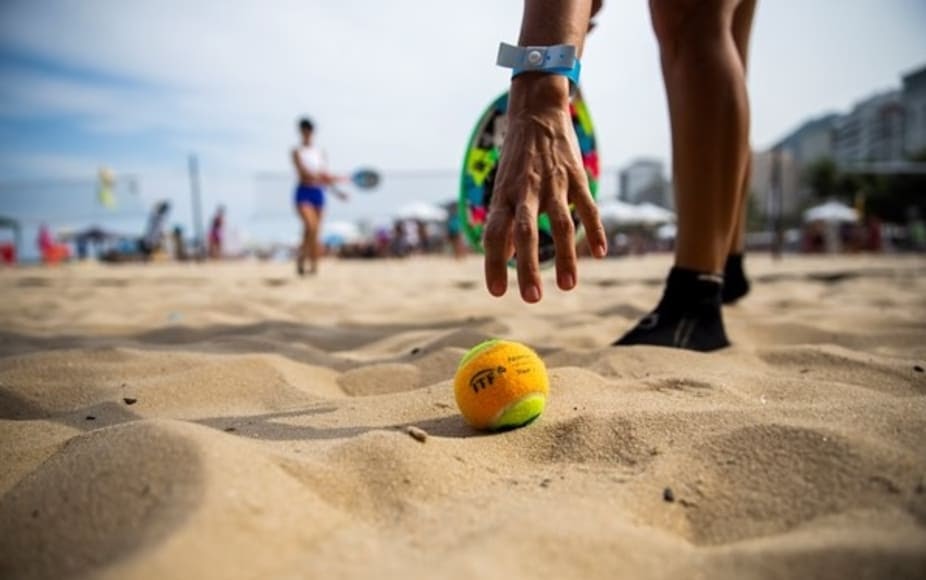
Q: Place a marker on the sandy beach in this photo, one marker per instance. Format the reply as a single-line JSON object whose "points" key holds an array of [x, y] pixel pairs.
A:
{"points": [[233, 421]]}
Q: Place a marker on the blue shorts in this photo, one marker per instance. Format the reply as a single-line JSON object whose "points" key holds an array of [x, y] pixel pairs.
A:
{"points": [[310, 194]]}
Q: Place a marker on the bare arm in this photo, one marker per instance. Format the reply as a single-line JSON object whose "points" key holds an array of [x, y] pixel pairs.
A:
{"points": [[541, 168]]}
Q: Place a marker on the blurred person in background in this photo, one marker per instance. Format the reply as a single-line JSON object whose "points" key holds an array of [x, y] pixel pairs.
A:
{"points": [[454, 235], [153, 237], [313, 180], [217, 233]]}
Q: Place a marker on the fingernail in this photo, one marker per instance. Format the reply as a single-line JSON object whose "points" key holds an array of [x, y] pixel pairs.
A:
{"points": [[601, 250], [569, 281], [532, 294], [497, 288]]}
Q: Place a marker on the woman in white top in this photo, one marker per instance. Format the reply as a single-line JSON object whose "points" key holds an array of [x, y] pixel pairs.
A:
{"points": [[313, 177]]}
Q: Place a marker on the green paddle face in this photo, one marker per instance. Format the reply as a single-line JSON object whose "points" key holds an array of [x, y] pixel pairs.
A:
{"points": [[481, 161]]}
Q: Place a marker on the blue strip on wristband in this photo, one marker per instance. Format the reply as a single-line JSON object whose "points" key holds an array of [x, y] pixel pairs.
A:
{"points": [[571, 73]]}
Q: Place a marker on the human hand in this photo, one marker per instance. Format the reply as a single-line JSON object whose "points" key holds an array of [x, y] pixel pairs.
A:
{"points": [[540, 171], [342, 195]]}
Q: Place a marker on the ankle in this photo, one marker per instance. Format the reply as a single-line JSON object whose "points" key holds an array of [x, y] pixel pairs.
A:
{"points": [[735, 283], [687, 290], [733, 265]]}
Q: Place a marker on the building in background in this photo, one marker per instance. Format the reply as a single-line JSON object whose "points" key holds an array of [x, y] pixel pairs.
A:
{"points": [[914, 103], [872, 131], [763, 182], [644, 180], [887, 127], [813, 140]]}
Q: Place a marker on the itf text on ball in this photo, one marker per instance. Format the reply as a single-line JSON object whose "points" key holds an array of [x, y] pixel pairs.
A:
{"points": [[501, 384]]}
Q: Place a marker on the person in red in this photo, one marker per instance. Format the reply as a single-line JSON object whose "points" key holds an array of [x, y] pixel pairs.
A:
{"points": [[703, 48], [52, 252], [217, 233]]}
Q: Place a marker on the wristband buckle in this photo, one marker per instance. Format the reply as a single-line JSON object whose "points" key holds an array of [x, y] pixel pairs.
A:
{"points": [[558, 59]]}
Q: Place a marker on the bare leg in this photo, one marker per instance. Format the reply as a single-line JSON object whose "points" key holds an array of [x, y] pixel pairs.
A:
{"points": [[738, 241], [307, 249], [314, 243], [706, 89], [709, 113], [735, 283], [742, 30]]}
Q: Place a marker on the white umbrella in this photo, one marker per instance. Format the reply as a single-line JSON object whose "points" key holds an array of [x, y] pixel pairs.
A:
{"points": [[667, 232], [831, 211], [622, 213], [422, 212], [619, 213], [653, 214]]}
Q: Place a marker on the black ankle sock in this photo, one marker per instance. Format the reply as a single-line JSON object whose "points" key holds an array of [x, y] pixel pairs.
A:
{"points": [[688, 316], [735, 283]]}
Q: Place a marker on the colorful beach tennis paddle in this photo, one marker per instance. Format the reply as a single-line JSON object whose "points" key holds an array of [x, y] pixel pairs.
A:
{"points": [[481, 161]]}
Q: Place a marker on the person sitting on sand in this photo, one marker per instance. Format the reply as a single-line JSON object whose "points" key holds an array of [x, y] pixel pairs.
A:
{"points": [[703, 46], [313, 179]]}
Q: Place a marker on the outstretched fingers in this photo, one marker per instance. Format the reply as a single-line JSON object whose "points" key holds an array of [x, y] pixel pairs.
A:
{"points": [[498, 248], [585, 206], [525, 242], [563, 230]]}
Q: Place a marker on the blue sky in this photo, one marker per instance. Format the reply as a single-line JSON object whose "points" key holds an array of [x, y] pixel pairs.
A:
{"points": [[138, 85]]}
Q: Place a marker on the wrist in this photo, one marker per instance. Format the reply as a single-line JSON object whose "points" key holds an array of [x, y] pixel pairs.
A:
{"points": [[544, 75], [536, 90]]}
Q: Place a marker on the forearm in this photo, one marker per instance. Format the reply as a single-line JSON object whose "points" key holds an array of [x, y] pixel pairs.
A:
{"points": [[548, 22], [545, 23]]}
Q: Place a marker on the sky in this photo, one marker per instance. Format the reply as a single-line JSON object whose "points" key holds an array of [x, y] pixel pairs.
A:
{"points": [[140, 85]]}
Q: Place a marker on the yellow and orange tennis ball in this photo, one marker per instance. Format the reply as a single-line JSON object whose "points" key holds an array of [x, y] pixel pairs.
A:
{"points": [[501, 384]]}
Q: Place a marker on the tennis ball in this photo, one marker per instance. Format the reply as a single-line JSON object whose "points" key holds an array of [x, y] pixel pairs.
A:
{"points": [[501, 384]]}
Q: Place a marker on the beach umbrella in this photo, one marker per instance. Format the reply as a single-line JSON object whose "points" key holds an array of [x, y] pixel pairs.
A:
{"points": [[652, 214], [421, 211], [667, 232], [616, 212], [831, 211]]}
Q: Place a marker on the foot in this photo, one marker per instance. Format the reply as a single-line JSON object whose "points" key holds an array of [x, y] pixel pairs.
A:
{"points": [[735, 283], [300, 268], [688, 316]]}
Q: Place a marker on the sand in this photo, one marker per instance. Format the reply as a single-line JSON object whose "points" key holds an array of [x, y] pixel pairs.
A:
{"points": [[233, 421]]}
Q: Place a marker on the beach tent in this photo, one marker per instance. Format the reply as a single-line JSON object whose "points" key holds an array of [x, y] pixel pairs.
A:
{"points": [[420, 211], [831, 211], [11, 224]]}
